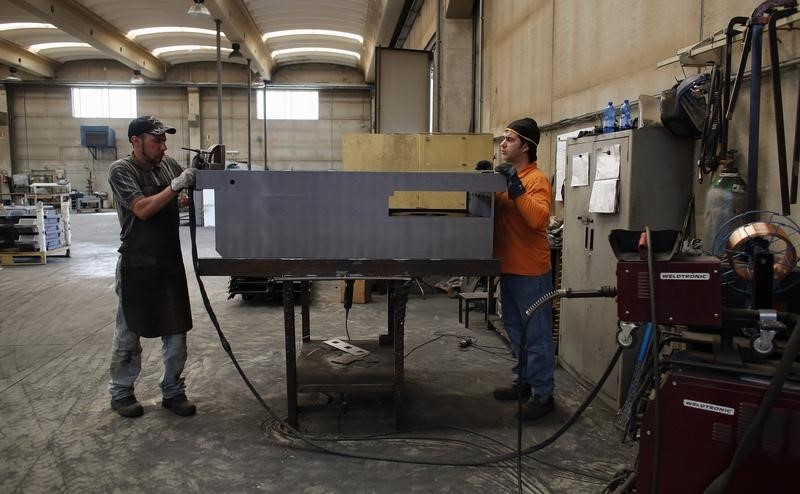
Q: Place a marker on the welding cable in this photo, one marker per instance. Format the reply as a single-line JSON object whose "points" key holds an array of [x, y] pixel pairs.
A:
{"points": [[498, 445], [322, 449], [537, 305], [654, 342], [753, 432]]}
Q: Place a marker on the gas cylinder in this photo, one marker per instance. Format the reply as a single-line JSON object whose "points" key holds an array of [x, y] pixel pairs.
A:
{"points": [[726, 198]]}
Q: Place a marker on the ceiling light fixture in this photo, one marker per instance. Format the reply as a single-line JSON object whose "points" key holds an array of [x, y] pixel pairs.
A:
{"points": [[137, 77], [334, 51], [52, 46], [312, 32], [199, 11], [12, 75], [147, 31], [188, 48], [235, 54], [10, 26]]}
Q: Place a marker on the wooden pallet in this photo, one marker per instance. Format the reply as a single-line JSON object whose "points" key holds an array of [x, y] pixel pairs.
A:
{"points": [[11, 258], [19, 258]]}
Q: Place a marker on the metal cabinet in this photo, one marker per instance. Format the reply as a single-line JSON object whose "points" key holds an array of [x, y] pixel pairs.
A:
{"points": [[654, 188]]}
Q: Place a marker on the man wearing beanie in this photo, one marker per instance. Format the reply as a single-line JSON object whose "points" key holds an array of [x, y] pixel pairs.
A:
{"points": [[522, 215]]}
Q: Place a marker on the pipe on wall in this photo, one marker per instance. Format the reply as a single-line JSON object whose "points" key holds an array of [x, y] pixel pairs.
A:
{"points": [[264, 101], [219, 86], [249, 118], [438, 67]]}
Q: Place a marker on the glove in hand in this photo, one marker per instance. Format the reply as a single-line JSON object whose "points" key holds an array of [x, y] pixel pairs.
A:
{"points": [[515, 187], [184, 180]]}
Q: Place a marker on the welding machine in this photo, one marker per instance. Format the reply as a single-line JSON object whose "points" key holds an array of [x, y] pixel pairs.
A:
{"points": [[720, 419]]}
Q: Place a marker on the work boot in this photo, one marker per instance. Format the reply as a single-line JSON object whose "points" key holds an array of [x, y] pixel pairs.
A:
{"points": [[537, 407], [512, 392], [127, 407], [180, 405]]}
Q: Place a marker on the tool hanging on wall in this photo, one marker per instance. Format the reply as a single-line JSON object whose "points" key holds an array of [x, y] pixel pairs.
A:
{"points": [[766, 14]]}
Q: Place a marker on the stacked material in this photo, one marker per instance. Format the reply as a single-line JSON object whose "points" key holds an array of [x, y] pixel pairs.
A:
{"points": [[21, 229]]}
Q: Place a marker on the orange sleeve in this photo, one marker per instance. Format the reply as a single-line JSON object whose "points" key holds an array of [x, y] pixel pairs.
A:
{"points": [[534, 204]]}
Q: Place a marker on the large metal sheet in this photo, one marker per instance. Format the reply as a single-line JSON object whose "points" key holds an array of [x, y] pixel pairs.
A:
{"points": [[345, 215]]}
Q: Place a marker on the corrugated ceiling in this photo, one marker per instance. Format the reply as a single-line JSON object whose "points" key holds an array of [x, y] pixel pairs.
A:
{"points": [[170, 46]]}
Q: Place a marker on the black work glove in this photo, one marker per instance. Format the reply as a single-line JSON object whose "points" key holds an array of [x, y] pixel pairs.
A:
{"points": [[515, 187]]}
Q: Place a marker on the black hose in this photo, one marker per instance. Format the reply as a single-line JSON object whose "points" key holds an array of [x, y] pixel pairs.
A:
{"points": [[605, 291], [656, 368], [753, 432]]}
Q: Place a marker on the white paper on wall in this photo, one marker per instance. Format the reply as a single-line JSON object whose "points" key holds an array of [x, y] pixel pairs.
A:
{"points": [[607, 162], [561, 159], [580, 170], [604, 196]]}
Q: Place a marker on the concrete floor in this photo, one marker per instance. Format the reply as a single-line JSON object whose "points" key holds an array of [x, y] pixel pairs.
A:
{"points": [[58, 433]]}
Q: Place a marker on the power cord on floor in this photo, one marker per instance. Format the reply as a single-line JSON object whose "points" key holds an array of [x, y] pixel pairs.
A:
{"points": [[296, 434], [465, 343]]}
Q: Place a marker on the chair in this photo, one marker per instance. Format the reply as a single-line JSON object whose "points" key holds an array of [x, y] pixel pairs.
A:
{"points": [[467, 298]]}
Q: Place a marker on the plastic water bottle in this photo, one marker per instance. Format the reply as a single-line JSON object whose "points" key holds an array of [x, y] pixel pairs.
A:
{"points": [[625, 115], [609, 117]]}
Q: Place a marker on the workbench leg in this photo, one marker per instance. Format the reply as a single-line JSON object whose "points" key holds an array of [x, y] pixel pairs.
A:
{"points": [[306, 302], [491, 304], [388, 338], [291, 357], [398, 316], [460, 309]]}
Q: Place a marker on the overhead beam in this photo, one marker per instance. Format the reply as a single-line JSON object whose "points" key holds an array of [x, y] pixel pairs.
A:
{"points": [[17, 56], [239, 27], [382, 17], [83, 24]]}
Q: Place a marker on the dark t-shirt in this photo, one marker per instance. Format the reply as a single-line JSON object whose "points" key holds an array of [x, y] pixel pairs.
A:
{"points": [[127, 179]]}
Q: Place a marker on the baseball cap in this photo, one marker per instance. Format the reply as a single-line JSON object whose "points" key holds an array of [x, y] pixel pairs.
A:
{"points": [[148, 125]]}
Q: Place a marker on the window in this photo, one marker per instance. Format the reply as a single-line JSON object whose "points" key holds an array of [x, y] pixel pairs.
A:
{"points": [[289, 105], [90, 102]]}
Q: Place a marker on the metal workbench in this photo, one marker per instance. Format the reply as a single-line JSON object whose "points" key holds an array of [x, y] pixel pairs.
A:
{"points": [[312, 372]]}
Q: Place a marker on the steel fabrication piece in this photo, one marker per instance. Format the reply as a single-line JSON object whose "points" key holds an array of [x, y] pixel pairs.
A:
{"points": [[345, 215]]}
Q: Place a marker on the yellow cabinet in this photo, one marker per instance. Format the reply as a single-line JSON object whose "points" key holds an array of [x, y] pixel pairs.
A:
{"points": [[417, 152]]}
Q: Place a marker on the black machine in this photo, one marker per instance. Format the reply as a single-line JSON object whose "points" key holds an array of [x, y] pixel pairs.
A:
{"points": [[722, 412]]}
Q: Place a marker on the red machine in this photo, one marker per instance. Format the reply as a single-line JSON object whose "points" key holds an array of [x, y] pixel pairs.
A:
{"points": [[728, 408], [704, 416]]}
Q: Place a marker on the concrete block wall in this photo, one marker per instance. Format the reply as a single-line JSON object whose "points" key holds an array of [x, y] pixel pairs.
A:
{"points": [[45, 135]]}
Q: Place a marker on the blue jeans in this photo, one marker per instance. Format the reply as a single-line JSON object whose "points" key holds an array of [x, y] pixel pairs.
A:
{"points": [[126, 358], [517, 293]]}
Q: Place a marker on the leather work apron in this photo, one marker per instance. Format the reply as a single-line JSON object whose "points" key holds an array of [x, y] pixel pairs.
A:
{"points": [[155, 296]]}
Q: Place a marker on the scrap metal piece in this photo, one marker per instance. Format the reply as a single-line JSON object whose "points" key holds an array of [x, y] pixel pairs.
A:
{"points": [[347, 347]]}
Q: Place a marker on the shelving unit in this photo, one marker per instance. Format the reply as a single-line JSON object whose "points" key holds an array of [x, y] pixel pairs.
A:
{"points": [[18, 257]]}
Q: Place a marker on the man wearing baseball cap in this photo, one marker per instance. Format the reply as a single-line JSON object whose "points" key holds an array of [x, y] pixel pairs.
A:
{"points": [[522, 215], [151, 281]]}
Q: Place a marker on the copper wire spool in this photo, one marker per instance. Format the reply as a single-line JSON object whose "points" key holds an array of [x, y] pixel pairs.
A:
{"points": [[785, 257]]}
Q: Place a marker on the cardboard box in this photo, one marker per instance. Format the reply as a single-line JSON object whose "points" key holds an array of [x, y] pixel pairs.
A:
{"points": [[362, 291]]}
